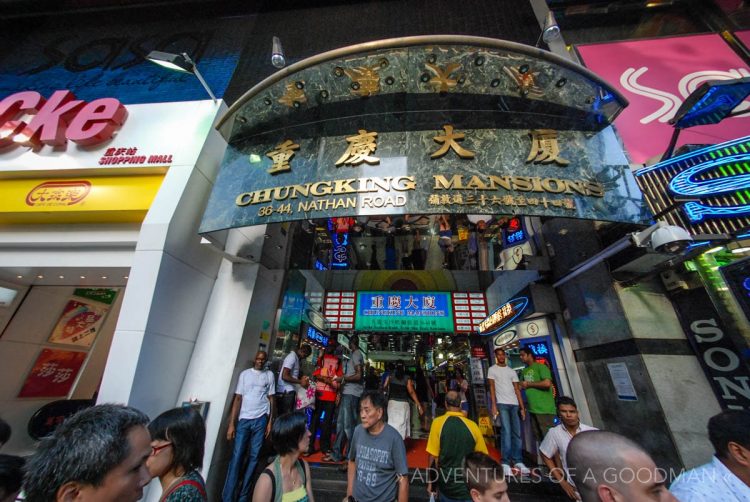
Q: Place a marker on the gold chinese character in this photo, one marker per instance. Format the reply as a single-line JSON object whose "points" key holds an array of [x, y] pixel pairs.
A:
{"points": [[433, 200], [442, 81], [458, 199], [294, 95], [281, 156], [544, 147], [359, 149], [450, 141], [445, 200], [569, 204], [366, 80]]}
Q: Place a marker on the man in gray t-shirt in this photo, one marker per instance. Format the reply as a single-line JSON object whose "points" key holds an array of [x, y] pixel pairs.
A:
{"points": [[377, 470], [348, 409]]}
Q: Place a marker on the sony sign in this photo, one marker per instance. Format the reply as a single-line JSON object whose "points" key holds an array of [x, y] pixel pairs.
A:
{"points": [[27, 119], [721, 361]]}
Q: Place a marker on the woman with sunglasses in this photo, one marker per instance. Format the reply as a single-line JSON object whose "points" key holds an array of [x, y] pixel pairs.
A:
{"points": [[177, 442]]}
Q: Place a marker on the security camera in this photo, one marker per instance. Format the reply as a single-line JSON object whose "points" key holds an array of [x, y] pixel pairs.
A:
{"points": [[670, 239]]}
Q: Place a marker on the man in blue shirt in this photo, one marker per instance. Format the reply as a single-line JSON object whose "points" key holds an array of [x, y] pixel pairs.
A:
{"points": [[727, 476]]}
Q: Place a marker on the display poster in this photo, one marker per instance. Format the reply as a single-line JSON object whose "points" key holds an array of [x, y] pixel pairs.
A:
{"points": [[396, 311], [53, 373], [656, 76], [83, 316], [620, 376]]}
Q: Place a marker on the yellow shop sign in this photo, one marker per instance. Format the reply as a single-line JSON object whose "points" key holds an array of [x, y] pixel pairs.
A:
{"points": [[96, 199]]}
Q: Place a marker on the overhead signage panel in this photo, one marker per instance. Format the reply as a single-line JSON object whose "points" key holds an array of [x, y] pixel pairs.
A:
{"points": [[399, 311]]}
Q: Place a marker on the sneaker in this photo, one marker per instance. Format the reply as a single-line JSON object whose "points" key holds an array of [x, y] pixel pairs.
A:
{"points": [[507, 471], [525, 471]]}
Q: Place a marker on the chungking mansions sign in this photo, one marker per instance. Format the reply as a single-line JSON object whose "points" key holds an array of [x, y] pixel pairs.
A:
{"points": [[469, 132]]}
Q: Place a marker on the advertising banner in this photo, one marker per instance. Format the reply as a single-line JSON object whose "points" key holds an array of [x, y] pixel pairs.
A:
{"points": [[656, 76], [53, 373], [102, 59], [395, 311], [82, 318]]}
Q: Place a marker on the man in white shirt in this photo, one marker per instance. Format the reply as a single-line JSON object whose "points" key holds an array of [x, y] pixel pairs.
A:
{"points": [[253, 402], [727, 477], [507, 404], [554, 447], [290, 375]]}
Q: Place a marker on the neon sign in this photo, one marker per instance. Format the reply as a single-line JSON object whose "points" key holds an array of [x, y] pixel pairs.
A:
{"points": [[717, 179], [503, 316], [317, 336]]}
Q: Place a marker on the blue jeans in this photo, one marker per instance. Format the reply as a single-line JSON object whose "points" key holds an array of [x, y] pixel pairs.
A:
{"points": [[250, 433], [510, 430], [345, 424]]}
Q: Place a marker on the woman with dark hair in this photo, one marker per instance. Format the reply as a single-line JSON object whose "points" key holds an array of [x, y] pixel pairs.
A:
{"points": [[287, 478], [177, 442], [461, 385], [399, 388]]}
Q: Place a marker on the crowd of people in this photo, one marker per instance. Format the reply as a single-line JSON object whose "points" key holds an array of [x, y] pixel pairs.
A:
{"points": [[111, 452]]}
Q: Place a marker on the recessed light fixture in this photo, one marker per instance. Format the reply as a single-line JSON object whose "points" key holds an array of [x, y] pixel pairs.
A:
{"points": [[124, 276], [61, 277], [19, 277], [83, 277], [40, 276], [104, 277]]}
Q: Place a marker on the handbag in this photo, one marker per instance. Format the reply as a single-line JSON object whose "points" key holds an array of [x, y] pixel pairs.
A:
{"points": [[305, 397]]}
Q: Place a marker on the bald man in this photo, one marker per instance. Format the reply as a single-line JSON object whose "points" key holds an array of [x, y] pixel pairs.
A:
{"points": [[607, 467]]}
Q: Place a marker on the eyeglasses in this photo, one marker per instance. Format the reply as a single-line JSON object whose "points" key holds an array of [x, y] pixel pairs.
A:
{"points": [[157, 449]]}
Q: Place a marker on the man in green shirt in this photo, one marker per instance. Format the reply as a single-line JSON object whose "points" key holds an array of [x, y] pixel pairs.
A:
{"points": [[452, 437], [537, 380]]}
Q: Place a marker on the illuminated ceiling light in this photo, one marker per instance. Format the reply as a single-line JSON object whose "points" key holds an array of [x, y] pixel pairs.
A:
{"points": [[104, 277], [181, 63], [125, 277], [83, 277], [19, 277], [738, 247], [715, 250], [61, 277], [40, 276]]}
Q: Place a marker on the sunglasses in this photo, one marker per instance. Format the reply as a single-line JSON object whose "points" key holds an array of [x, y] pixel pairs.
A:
{"points": [[156, 449]]}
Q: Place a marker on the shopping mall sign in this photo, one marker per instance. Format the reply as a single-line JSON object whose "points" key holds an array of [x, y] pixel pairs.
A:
{"points": [[437, 124], [706, 191], [397, 311], [58, 119]]}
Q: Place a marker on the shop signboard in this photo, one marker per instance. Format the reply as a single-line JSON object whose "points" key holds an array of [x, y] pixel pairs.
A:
{"points": [[397, 311], [657, 76], [53, 373], [139, 145], [521, 330], [505, 315], [724, 365], [706, 191]]}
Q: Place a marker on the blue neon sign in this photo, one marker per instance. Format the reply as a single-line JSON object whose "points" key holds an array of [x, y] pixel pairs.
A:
{"points": [[687, 185], [317, 336]]}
